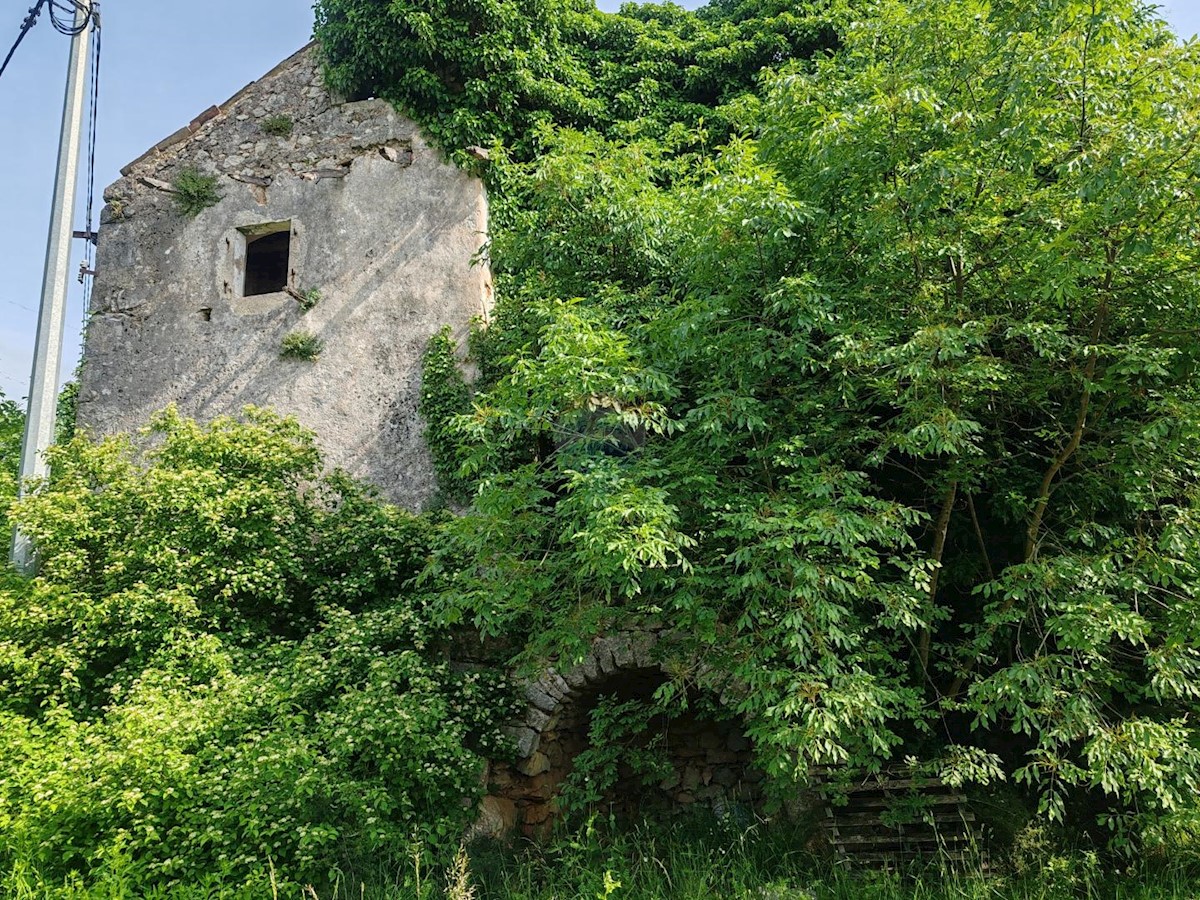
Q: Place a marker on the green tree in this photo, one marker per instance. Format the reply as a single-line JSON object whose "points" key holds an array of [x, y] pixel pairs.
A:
{"points": [[1006, 238], [219, 667], [892, 409], [474, 73], [12, 426]]}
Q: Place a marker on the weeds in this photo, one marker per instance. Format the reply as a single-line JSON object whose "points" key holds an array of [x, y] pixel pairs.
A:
{"points": [[308, 299], [279, 126], [686, 861], [195, 192], [301, 345], [458, 881]]}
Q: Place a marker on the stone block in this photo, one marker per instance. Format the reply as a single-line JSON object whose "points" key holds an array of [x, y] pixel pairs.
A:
{"points": [[539, 788], [737, 742], [575, 678], [526, 739], [536, 719], [555, 685], [603, 652], [537, 695], [722, 757], [497, 818], [590, 668], [643, 651], [554, 751], [725, 776], [537, 813], [537, 764], [624, 655]]}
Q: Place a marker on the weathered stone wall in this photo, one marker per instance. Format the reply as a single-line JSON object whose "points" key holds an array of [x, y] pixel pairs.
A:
{"points": [[711, 761], [382, 228]]}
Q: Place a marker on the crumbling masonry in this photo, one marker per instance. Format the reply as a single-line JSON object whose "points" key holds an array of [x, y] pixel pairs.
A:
{"points": [[339, 206]]}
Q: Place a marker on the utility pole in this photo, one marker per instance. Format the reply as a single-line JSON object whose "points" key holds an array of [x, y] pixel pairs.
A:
{"points": [[47, 352]]}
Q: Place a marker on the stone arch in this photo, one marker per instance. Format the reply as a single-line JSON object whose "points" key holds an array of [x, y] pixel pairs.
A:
{"points": [[711, 759]]}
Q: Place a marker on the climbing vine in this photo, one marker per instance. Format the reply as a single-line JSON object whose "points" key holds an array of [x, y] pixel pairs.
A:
{"points": [[444, 395], [480, 73]]}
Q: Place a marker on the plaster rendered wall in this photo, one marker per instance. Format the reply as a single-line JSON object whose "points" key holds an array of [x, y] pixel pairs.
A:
{"points": [[382, 228]]}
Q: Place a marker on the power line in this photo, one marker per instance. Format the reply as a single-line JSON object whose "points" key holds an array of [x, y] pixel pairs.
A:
{"points": [[89, 230], [26, 27], [74, 24], [95, 97], [59, 10]]}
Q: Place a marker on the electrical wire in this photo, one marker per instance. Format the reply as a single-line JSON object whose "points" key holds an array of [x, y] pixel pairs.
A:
{"points": [[26, 27], [63, 15], [72, 18], [89, 245]]}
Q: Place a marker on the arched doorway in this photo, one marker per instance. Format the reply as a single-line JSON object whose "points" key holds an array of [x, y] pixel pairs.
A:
{"points": [[652, 761]]}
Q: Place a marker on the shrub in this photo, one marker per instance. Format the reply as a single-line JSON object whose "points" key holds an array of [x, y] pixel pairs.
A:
{"points": [[195, 192], [215, 671], [279, 126], [301, 345], [12, 426]]}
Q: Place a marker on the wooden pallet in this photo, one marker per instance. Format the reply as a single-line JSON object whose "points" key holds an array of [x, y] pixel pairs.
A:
{"points": [[894, 818]]}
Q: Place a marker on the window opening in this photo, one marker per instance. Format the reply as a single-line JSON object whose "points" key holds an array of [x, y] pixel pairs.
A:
{"points": [[268, 258]]}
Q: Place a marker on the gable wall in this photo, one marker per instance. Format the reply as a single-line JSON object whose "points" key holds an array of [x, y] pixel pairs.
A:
{"points": [[383, 229]]}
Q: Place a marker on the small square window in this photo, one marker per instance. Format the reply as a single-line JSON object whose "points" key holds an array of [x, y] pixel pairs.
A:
{"points": [[268, 258]]}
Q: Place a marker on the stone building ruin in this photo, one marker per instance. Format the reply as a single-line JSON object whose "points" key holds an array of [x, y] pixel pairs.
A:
{"points": [[338, 220], [332, 219]]}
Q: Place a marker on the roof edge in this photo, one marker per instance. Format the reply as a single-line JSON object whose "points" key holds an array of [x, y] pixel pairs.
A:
{"points": [[212, 112]]}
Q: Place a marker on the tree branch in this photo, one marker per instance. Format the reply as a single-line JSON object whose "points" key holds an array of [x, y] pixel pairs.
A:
{"points": [[939, 547], [983, 551]]}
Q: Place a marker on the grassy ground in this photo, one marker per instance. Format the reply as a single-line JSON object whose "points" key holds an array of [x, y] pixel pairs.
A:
{"points": [[681, 863]]}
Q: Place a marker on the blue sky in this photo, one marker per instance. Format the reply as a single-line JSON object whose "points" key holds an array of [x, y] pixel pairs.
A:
{"points": [[159, 70]]}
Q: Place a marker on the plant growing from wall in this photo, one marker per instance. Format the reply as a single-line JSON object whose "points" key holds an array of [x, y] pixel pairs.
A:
{"points": [[308, 299], [279, 126], [67, 411], [444, 395], [195, 192], [301, 345]]}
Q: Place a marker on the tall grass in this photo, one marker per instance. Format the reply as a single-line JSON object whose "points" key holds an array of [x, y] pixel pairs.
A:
{"points": [[689, 861]]}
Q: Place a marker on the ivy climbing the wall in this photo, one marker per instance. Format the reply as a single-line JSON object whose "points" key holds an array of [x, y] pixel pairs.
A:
{"points": [[444, 396]]}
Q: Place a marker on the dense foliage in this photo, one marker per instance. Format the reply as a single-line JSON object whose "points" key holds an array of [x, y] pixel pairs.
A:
{"points": [[218, 667], [890, 405], [12, 424], [474, 73], [856, 340]]}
